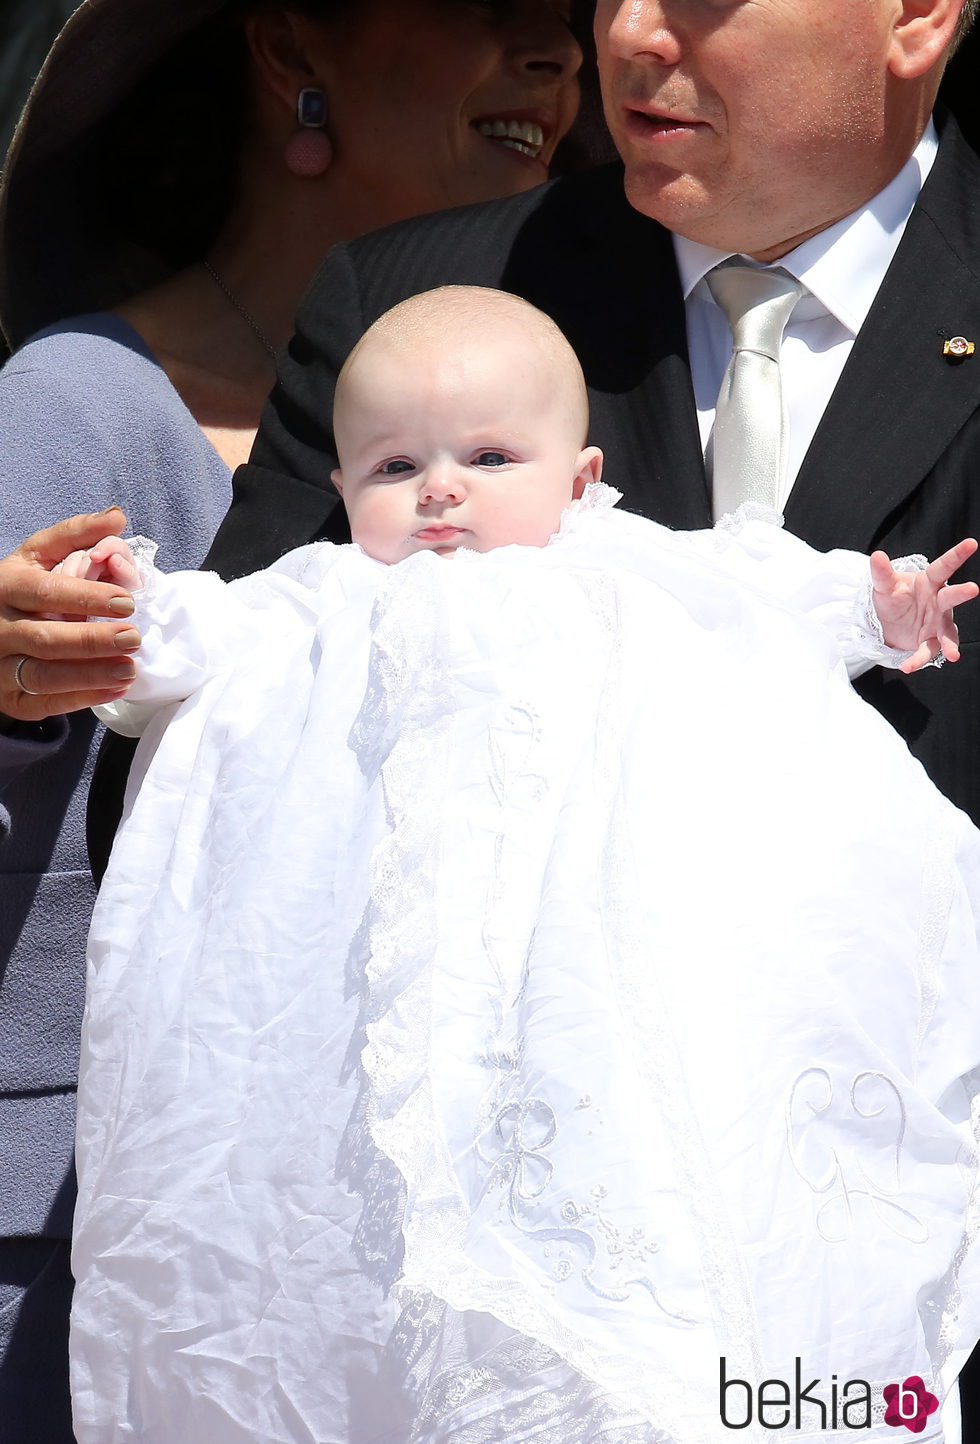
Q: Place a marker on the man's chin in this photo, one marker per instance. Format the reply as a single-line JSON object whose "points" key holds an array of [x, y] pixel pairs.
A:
{"points": [[684, 206], [676, 200]]}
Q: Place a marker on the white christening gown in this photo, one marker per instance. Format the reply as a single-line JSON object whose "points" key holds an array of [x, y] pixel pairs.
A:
{"points": [[528, 994]]}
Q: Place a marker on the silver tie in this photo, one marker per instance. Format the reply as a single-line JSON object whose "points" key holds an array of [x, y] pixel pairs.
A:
{"points": [[747, 450]]}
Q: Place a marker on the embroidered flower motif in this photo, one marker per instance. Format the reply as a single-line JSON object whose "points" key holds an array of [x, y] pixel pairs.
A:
{"points": [[909, 1404], [524, 1130]]}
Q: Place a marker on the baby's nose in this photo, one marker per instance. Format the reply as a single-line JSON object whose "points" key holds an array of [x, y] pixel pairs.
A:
{"points": [[442, 484]]}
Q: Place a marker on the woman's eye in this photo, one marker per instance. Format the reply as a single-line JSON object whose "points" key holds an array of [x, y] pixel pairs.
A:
{"points": [[491, 458], [396, 467]]}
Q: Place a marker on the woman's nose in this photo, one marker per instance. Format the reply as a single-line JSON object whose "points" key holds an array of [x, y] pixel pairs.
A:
{"points": [[543, 42]]}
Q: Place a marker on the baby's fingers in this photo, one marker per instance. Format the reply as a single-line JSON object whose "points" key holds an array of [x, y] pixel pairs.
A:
{"points": [[123, 569], [944, 566], [78, 564], [115, 560], [883, 574], [945, 645], [924, 654], [957, 595]]}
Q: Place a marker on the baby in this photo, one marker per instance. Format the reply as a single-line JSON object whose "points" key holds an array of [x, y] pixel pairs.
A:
{"points": [[461, 418], [514, 979]]}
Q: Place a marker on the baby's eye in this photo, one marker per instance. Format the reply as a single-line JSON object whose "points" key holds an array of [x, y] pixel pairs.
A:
{"points": [[396, 467], [491, 458]]}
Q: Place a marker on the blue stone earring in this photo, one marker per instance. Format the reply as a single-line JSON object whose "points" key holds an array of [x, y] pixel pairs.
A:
{"points": [[308, 151]]}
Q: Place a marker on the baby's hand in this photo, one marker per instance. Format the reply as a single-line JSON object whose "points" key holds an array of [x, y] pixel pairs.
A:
{"points": [[916, 608], [110, 560]]}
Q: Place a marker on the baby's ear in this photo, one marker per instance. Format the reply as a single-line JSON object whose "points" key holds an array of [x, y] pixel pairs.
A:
{"points": [[588, 467], [337, 477]]}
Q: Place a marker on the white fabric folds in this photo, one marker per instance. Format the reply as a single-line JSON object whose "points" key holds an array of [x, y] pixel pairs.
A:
{"points": [[521, 984]]}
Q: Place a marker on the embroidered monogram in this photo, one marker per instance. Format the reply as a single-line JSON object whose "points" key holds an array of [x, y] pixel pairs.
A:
{"points": [[816, 1127]]}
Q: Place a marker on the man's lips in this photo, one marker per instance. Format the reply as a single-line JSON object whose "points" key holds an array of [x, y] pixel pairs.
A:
{"points": [[657, 125]]}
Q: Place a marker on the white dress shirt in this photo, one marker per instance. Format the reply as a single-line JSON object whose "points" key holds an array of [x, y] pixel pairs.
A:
{"points": [[842, 269]]}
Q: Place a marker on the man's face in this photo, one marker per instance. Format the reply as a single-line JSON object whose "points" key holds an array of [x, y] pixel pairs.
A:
{"points": [[465, 448], [751, 124]]}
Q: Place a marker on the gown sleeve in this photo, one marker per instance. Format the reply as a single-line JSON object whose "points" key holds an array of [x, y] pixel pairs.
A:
{"points": [[832, 588], [196, 626]]}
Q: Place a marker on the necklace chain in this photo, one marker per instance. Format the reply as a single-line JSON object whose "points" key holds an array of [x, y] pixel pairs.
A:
{"points": [[249, 320]]}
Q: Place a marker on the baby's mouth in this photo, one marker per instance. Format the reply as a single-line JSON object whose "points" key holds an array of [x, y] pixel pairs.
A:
{"points": [[438, 532], [525, 136]]}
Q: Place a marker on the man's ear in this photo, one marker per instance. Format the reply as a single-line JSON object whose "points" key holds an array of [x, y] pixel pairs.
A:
{"points": [[337, 477], [588, 467], [921, 36]]}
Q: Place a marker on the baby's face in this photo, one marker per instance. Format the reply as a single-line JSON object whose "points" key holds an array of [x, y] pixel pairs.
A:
{"points": [[468, 448]]}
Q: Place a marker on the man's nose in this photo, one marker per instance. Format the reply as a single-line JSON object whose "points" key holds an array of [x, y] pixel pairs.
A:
{"points": [[542, 41], [632, 29]]}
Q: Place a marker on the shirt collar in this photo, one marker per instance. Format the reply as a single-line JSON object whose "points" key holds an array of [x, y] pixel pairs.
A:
{"points": [[843, 266]]}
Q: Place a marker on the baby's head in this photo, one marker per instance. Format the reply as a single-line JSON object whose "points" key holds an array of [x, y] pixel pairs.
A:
{"points": [[460, 420]]}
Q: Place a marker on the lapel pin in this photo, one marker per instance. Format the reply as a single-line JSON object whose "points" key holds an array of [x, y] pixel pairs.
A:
{"points": [[957, 347]]}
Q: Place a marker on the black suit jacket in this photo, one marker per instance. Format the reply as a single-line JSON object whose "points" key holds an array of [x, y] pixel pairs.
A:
{"points": [[895, 461]]}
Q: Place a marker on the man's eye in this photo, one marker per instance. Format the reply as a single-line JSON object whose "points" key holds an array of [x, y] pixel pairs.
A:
{"points": [[491, 458], [396, 467]]}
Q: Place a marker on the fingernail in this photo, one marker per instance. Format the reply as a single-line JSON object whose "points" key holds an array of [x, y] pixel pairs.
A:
{"points": [[127, 641], [106, 510], [122, 606], [125, 672]]}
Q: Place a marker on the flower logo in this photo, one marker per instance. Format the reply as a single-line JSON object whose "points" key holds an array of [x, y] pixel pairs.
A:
{"points": [[909, 1404]]}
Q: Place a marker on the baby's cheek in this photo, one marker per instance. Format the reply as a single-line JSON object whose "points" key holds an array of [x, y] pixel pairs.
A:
{"points": [[534, 526], [371, 522], [378, 532]]}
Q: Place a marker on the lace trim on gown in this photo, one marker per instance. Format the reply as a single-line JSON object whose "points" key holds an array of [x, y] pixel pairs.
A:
{"points": [[516, 1133]]}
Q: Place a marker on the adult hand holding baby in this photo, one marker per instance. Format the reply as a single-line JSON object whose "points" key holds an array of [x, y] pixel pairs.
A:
{"points": [[49, 666]]}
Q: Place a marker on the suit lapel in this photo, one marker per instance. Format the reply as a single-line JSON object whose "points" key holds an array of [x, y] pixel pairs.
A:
{"points": [[900, 402], [611, 284]]}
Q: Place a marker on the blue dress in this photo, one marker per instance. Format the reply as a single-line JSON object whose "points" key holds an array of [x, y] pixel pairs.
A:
{"points": [[87, 418]]}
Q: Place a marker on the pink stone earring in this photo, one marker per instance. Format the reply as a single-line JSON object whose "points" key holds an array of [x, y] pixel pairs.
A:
{"points": [[308, 150]]}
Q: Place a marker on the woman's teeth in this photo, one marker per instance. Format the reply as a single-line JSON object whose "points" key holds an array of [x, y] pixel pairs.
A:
{"points": [[521, 135]]}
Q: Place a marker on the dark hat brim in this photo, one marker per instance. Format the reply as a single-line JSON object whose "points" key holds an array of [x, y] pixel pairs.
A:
{"points": [[52, 262]]}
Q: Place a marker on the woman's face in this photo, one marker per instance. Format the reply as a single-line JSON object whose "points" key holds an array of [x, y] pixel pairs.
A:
{"points": [[436, 103]]}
